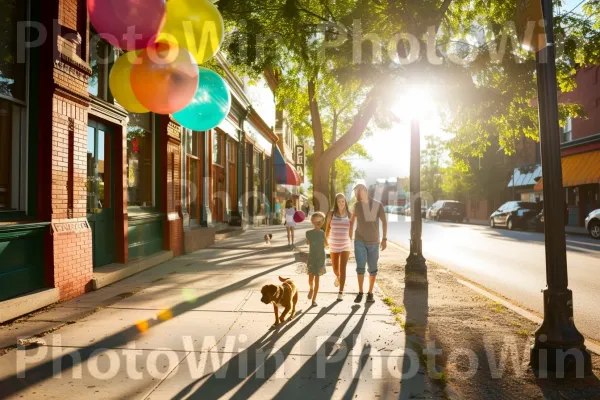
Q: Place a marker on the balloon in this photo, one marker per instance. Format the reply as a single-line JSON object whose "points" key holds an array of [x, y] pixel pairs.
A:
{"points": [[120, 84], [164, 78], [210, 104], [196, 25], [299, 216], [127, 24]]}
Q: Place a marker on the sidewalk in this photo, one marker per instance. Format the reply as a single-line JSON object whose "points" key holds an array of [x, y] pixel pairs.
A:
{"points": [[194, 327]]}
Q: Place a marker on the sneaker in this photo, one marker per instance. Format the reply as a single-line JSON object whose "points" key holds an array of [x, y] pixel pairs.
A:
{"points": [[370, 298], [337, 282], [310, 293], [314, 304], [358, 298], [340, 297]]}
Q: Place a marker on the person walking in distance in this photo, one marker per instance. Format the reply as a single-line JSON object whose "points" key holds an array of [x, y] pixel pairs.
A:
{"points": [[366, 215], [290, 224], [337, 235]]}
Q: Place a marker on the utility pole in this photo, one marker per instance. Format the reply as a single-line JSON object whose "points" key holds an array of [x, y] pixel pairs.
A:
{"points": [[416, 268], [559, 346]]}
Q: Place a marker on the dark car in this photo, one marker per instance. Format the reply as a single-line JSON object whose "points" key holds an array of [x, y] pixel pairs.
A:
{"points": [[515, 214], [538, 221], [424, 212], [448, 210]]}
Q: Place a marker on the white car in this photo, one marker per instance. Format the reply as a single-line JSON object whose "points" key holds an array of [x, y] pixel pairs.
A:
{"points": [[592, 224], [398, 210]]}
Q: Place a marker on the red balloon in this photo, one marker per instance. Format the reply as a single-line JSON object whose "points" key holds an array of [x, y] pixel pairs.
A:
{"points": [[128, 24], [164, 78], [299, 216]]}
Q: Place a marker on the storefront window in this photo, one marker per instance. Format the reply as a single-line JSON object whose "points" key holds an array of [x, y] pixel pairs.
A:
{"points": [[257, 179], [193, 175], [12, 58], [140, 161], [101, 59], [12, 157]]}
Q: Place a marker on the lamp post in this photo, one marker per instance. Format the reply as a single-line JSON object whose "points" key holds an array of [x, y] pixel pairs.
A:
{"points": [[559, 346], [416, 268]]}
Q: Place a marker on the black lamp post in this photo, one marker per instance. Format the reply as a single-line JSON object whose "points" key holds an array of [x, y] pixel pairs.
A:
{"points": [[559, 346], [416, 268]]}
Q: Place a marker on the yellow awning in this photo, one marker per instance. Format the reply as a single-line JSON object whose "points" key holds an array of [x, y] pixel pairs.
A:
{"points": [[578, 169]]}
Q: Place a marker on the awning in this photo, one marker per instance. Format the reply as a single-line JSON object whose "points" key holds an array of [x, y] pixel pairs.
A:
{"points": [[578, 169], [285, 173], [525, 176]]}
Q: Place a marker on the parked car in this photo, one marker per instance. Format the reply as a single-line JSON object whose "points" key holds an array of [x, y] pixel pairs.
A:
{"points": [[515, 214], [538, 221], [389, 209], [448, 210], [428, 213], [407, 211], [424, 212], [399, 210], [592, 224]]}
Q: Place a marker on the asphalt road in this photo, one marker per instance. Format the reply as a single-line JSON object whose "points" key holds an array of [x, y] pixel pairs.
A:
{"points": [[512, 263]]}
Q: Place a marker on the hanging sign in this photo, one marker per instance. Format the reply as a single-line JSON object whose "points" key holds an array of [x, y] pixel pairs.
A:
{"points": [[530, 25], [299, 160]]}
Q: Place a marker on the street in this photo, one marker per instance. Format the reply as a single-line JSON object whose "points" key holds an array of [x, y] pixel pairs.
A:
{"points": [[511, 263]]}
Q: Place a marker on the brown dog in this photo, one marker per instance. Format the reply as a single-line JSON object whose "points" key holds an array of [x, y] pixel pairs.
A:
{"points": [[285, 296]]}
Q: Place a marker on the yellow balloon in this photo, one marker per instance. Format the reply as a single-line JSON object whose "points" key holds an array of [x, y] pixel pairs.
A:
{"points": [[120, 84], [196, 25]]}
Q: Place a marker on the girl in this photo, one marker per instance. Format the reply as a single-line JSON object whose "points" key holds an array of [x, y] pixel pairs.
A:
{"points": [[290, 224], [315, 238], [337, 237]]}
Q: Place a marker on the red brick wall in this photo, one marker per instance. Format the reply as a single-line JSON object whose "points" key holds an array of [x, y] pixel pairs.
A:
{"points": [[72, 250], [587, 94]]}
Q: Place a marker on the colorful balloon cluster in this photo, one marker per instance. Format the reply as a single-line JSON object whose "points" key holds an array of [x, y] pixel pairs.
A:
{"points": [[165, 42]]}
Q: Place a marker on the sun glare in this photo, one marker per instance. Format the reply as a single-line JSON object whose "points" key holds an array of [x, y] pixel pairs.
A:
{"points": [[414, 103]]}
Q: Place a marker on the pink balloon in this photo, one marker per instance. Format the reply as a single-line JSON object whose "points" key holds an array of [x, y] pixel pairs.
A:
{"points": [[299, 216], [127, 24]]}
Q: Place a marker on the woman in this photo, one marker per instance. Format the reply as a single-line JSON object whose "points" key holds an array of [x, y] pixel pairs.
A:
{"points": [[290, 224], [337, 236]]}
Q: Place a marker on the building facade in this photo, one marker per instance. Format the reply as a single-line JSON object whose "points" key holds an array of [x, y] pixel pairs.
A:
{"points": [[90, 193], [580, 148]]}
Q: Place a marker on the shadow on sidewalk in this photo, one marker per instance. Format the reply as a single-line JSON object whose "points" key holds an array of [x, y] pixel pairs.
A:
{"points": [[266, 365], [13, 385], [416, 303]]}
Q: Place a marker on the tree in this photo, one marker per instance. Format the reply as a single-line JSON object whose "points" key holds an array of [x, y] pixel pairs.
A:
{"points": [[432, 166], [317, 48]]}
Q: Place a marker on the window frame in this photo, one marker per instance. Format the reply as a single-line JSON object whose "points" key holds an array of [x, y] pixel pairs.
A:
{"points": [[22, 211], [154, 207], [191, 158], [567, 135]]}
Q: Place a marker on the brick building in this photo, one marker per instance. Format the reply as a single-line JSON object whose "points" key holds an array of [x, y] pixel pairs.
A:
{"points": [[90, 193], [580, 148]]}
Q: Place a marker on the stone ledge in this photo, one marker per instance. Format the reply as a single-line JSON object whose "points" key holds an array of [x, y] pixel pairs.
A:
{"points": [[112, 273], [13, 308]]}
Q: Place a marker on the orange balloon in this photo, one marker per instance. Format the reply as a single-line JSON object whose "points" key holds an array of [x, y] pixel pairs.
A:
{"points": [[164, 78]]}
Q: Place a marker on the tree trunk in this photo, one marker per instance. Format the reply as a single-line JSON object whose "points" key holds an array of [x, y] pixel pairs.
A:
{"points": [[321, 186], [333, 173]]}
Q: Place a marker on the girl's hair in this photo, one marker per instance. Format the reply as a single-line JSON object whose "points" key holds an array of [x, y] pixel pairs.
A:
{"points": [[289, 204], [336, 207]]}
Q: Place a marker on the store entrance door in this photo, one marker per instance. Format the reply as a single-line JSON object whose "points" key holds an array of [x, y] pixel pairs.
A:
{"points": [[100, 207]]}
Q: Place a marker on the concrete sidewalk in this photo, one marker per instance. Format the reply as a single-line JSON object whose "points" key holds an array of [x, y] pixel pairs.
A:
{"points": [[194, 327]]}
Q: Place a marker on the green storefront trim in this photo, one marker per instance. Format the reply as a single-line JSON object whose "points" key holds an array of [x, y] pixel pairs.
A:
{"points": [[22, 258], [145, 234]]}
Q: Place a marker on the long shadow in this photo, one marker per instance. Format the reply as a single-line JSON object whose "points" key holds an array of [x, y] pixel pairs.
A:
{"points": [[416, 303], [12, 385], [232, 373], [306, 381]]}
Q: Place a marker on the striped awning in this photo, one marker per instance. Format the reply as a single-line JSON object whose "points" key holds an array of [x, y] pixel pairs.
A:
{"points": [[578, 169]]}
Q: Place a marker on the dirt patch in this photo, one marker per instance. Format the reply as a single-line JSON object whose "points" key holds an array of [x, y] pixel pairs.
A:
{"points": [[473, 335]]}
